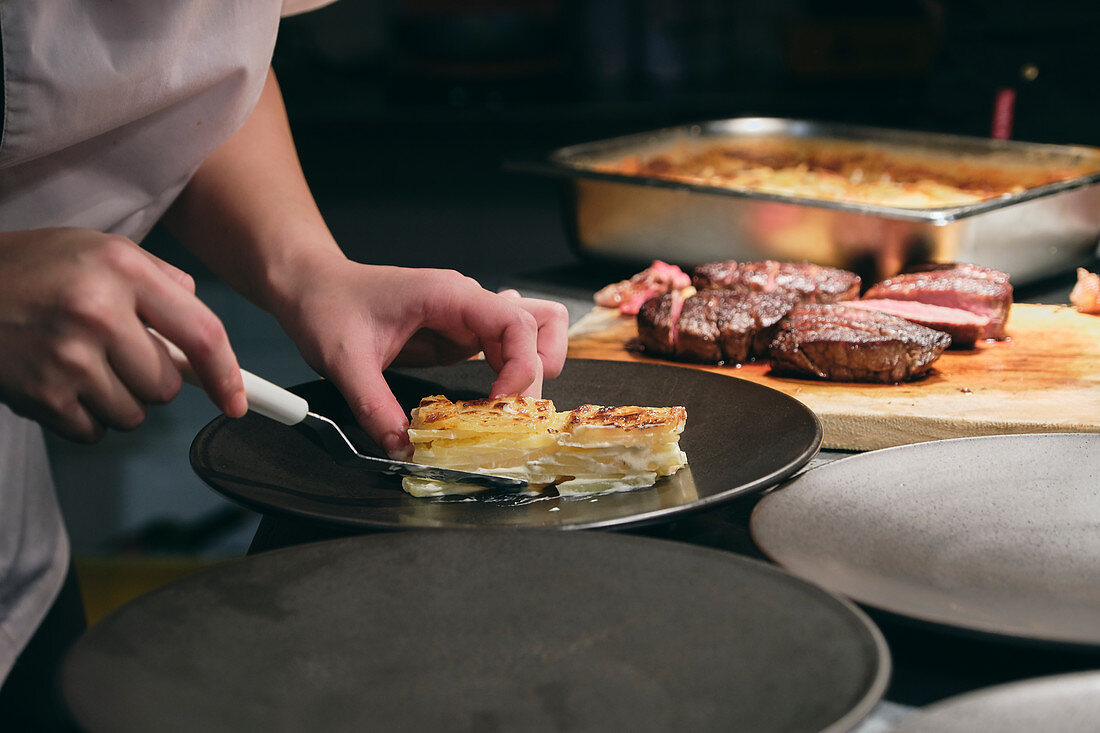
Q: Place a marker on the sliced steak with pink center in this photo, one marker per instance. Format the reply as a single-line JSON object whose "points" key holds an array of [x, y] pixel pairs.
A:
{"points": [[842, 343], [979, 290], [964, 327], [808, 283]]}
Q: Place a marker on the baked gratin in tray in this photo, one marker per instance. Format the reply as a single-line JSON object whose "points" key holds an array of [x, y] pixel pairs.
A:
{"points": [[866, 199]]}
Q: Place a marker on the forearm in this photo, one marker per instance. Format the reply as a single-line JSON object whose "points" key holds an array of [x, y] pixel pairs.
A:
{"points": [[248, 213]]}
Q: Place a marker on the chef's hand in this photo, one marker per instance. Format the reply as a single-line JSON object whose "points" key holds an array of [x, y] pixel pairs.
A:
{"points": [[75, 354], [351, 321]]}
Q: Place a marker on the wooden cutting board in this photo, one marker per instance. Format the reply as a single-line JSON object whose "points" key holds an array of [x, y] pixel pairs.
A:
{"points": [[1045, 378]]}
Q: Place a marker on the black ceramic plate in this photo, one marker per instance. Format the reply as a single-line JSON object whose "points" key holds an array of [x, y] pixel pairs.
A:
{"points": [[481, 631], [740, 437]]}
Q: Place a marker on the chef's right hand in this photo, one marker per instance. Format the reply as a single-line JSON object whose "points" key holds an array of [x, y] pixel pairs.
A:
{"points": [[75, 353]]}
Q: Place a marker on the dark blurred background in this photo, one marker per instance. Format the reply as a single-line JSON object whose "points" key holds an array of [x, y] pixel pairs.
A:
{"points": [[553, 70], [406, 111], [414, 80], [423, 103]]}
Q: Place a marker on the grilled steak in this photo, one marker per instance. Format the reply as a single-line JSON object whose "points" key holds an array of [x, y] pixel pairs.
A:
{"points": [[980, 290], [961, 268], [657, 323], [964, 327], [713, 326], [805, 319], [842, 343], [698, 329], [808, 283], [715, 275], [747, 324]]}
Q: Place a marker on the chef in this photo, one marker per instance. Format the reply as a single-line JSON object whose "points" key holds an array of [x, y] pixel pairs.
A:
{"points": [[120, 114]]}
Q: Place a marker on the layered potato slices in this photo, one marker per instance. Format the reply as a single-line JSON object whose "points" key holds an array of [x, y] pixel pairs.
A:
{"points": [[591, 449]]}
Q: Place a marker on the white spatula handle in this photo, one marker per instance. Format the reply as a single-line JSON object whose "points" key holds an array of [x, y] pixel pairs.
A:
{"points": [[264, 397], [271, 400]]}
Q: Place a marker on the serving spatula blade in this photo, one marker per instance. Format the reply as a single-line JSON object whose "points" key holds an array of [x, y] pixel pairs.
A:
{"points": [[272, 401]]}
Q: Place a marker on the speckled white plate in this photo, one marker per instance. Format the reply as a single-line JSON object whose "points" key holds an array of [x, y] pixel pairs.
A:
{"points": [[996, 534], [1068, 703]]}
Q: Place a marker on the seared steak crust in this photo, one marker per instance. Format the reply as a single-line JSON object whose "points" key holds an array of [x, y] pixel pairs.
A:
{"points": [[842, 343], [962, 268], [698, 329], [713, 326], [747, 324], [715, 275], [655, 325], [980, 290], [808, 283]]}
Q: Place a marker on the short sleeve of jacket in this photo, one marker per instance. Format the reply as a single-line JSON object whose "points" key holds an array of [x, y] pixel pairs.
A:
{"points": [[293, 7]]}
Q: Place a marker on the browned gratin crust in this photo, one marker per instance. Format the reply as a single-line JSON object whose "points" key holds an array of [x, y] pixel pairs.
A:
{"points": [[587, 450], [626, 417], [838, 171], [508, 413]]}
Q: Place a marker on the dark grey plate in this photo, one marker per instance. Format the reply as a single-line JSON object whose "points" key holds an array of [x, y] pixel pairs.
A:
{"points": [[740, 437], [1067, 703], [481, 631], [998, 534]]}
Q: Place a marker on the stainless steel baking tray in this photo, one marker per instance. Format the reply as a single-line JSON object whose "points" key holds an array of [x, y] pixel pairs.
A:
{"points": [[1035, 233]]}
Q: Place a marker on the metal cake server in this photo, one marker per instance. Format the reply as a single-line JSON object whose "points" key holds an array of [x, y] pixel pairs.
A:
{"points": [[272, 401]]}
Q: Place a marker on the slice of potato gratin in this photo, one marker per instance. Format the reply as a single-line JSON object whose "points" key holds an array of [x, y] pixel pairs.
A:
{"points": [[587, 450]]}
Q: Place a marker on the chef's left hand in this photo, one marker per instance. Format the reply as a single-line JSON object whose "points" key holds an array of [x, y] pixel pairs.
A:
{"points": [[248, 214], [351, 321]]}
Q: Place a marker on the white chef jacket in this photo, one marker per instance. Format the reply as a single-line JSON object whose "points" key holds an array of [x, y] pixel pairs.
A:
{"points": [[109, 107]]}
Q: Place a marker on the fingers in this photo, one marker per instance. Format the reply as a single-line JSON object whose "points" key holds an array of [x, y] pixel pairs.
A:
{"points": [[69, 419], [492, 349], [187, 322], [514, 332], [77, 423], [375, 316], [109, 400], [552, 323], [523, 339], [76, 353], [115, 381], [375, 408], [459, 308], [553, 327], [78, 395], [533, 390], [144, 366]]}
